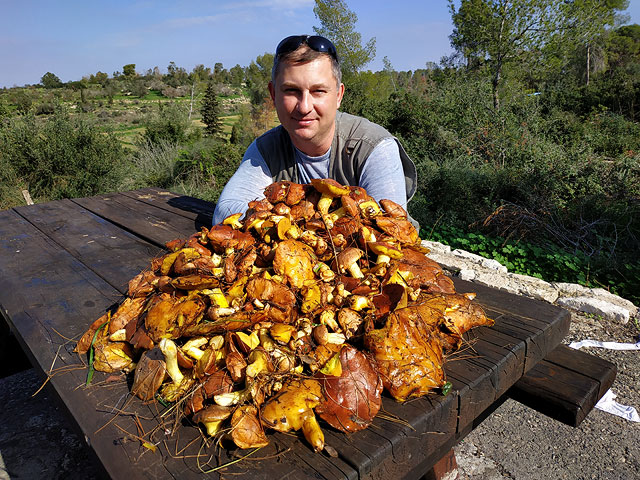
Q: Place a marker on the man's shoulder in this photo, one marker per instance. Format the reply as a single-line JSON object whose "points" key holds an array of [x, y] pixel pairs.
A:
{"points": [[351, 126]]}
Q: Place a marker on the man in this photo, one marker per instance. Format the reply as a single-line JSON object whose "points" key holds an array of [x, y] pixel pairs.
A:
{"points": [[314, 139]]}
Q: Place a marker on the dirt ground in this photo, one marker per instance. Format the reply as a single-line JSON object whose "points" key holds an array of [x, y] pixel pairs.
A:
{"points": [[514, 443], [604, 446]]}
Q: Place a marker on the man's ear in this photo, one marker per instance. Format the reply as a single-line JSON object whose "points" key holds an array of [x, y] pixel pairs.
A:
{"points": [[272, 91], [340, 94]]}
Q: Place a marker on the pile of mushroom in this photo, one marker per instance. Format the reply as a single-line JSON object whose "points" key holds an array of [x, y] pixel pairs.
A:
{"points": [[306, 309]]}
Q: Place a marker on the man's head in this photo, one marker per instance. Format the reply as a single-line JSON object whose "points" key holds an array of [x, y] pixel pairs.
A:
{"points": [[307, 91], [298, 49]]}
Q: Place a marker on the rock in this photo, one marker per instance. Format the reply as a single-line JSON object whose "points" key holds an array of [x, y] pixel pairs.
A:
{"points": [[596, 306]]}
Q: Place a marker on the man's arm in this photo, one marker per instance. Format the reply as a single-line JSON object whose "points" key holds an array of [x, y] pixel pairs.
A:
{"points": [[383, 176], [247, 184]]}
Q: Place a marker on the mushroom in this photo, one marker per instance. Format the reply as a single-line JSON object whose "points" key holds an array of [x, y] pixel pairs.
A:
{"points": [[385, 251], [212, 417], [329, 189], [349, 321], [246, 430], [293, 260], [259, 362], [347, 260], [370, 209], [170, 351], [353, 397], [398, 228], [322, 336], [324, 272], [392, 209], [149, 375], [233, 221]]}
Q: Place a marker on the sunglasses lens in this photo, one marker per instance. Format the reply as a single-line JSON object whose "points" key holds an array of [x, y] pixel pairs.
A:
{"points": [[321, 44], [315, 42], [289, 44]]}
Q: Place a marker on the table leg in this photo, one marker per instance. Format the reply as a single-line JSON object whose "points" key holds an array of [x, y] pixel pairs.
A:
{"points": [[445, 469]]}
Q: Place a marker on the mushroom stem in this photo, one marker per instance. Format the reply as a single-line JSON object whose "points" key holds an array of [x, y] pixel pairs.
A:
{"points": [[355, 271], [170, 351]]}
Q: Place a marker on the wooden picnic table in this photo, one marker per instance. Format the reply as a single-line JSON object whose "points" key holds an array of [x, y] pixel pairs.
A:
{"points": [[64, 263]]}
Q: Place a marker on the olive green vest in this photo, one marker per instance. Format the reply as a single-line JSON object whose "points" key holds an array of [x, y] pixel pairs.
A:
{"points": [[353, 141]]}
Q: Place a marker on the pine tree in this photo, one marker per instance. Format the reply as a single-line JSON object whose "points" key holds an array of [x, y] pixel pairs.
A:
{"points": [[210, 111]]}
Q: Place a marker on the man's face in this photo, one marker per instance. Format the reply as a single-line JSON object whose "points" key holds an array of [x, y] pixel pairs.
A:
{"points": [[306, 98]]}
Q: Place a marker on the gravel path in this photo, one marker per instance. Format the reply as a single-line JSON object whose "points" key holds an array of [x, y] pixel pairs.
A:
{"points": [[604, 446]]}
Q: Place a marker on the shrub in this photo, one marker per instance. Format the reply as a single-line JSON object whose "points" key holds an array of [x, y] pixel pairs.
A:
{"points": [[154, 164], [60, 157], [170, 124], [206, 166]]}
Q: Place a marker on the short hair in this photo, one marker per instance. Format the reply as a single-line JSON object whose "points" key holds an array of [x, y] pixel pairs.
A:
{"points": [[304, 54]]}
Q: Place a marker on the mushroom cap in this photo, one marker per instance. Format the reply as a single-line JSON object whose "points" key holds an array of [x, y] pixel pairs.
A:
{"points": [[384, 248], [399, 228], [212, 413], [350, 206], [328, 186], [349, 256], [232, 218], [392, 209]]}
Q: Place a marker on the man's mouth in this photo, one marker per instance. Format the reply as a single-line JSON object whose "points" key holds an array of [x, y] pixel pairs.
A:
{"points": [[304, 121]]}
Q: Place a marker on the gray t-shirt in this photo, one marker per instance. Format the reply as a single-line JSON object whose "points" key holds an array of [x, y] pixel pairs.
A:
{"points": [[382, 177]]}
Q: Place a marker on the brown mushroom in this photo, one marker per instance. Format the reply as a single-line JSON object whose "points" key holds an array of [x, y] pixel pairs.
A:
{"points": [[246, 430], [347, 260], [398, 228], [352, 399], [212, 417], [149, 375], [392, 209]]}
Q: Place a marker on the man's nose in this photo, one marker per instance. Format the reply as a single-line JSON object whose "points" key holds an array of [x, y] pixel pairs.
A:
{"points": [[305, 102]]}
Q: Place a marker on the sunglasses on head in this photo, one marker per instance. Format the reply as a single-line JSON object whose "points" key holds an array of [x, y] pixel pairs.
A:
{"points": [[314, 42]]}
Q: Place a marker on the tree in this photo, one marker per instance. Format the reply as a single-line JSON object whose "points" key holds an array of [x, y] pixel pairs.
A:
{"points": [[236, 75], [200, 73], [338, 26], [258, 76], [129, 70], [500, 33], [220, 74], [49, 80], [587, 20], [210, 111], [176, 76]]}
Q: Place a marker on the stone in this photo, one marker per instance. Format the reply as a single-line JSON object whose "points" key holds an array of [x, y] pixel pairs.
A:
{"points": [[436, 247], [596, 306]]}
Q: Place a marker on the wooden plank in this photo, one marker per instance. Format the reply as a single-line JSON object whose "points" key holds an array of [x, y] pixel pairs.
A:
{"points": [[153, 224], [112, 253], [329, 468], [478, 393], [433, 419], [586, 364], [189, 207], [565, 385], [50, 298]]}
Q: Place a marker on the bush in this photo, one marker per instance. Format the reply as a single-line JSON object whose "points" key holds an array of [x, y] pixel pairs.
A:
{"points": [[61, 157], [170, 124], [153, 165], [206, 166]]}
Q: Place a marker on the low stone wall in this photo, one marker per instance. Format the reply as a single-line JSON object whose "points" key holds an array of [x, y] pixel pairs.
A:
{"points": [[472, 267]]}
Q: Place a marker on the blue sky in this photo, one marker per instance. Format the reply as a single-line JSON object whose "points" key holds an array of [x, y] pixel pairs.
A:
{"points": [[76, 38]]}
